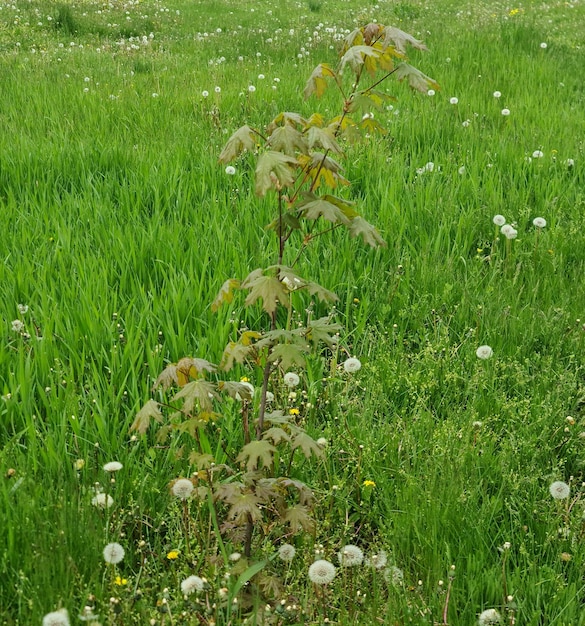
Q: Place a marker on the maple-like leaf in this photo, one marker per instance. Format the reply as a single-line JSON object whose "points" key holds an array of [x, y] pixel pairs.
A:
{"points": [[286, 117], [235, 352], [289, 354], [189, 367], [323, 330], [200, 391], [298, 518], [371, 125], [323, 294], [201, 461], [369, 100], [226, 492], [355, 38], [317, 82], [313, 207], [149, 411], [362, 228], [307, 444], [319, 165], [288, 140], [267, 489], [276, 435], [399, 39], [245, 507], [416, 79], [277, 417], [323, 137], [245, 138], [256, 453], [235, 390], [274, 171], [226, 293], [356, 56], [269, 289], [372, 32], [167, 378]]}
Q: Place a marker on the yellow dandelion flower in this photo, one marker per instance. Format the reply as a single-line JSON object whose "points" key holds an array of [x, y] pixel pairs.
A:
{"points": [[356, 300], [244, 379], [369, 483], [172, 555], [120, 581], [293, 411]]}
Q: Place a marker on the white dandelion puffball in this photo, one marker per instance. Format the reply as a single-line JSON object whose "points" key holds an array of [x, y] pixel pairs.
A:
{"points": [[505, 112], [102, 500], [322, 572], [570, 162], [205, 93], [559, 490], [286, 552], [378, 561], [488, 617], [57, 618], [544, 45], [251, 88], [182, 488], [394, 575], [539, 222], [192, 584], [431, 92], [454, 100], [269, 397], [352, 365], [537, 154], [291, 379], [484, 352], [511, 233], [113, 553], [506, 228], [350, 556], [499, 220], [250, 389], [113, 466], [497, 94], [17, 326], [230, 170]]}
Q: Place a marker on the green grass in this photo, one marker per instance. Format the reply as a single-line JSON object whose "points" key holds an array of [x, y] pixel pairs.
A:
{"points": [[120, 226]]}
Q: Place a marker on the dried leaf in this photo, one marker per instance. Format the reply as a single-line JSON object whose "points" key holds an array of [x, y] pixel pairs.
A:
{"points": [[149, 411], [317, 83], [226, 293], [399, 39], [244, 138]]}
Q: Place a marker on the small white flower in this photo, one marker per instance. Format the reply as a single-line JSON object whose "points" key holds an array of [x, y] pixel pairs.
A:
{"points": [[559, 490], [291, 379], [461, 170], [537, 154], [499, 220], [484, 352], [286, 552], [570, 162], [113, 553], [489, 617], [251, 88], [539, 222], [217, 89], [230, 170], [465, 123], [322, 442], [505, 112], [57, 618], [261, 77], [322, 572], [497, 94], [205, 93], [544, 45], [269, 397], [352, 365], [182, 488], [22, 308], [350, 556], [113, 466], [454, 100], [430, 166], [155, 95], [102, 500], [17, 326], [192, 584], [431, 92], [394, 575], [234, 557]]}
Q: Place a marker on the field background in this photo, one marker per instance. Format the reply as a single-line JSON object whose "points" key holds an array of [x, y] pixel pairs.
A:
{"points": [[119, 226]]}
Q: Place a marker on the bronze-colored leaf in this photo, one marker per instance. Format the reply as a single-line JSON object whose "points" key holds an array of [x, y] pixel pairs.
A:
{"points": [[274, 170], [245, 138], [149, 411], [255, 454], [226, 293], [298, 518], [197, 391], [416, 79], [399, 39], [360, 227], [317, 82]]}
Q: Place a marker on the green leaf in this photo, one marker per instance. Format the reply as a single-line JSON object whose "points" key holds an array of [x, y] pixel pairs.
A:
{"points": [[244, 138], [256, 453], [197, 391], [189, 367], [235, 352], [276, 435], [307, 444], [323, 137], [274, 171], [369, 100], [226, 293], [167, 377], [416, 79], [317, 83], [399, 39], [289, 354], [149, 411], [323, 330], [201, 461], [269, 289], [289, 220], [356, 56], [371, 125], [294, 119], [288, 140], [244, 506], [315, 207], [245, 576], [323, 294], [235, 390], [298, 518], [360, 227]]}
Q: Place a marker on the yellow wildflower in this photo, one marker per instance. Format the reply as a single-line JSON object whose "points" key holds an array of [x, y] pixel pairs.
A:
{"points": [[293, 411], [173, 554], [120, 581], [244, 379], [369, 483]]}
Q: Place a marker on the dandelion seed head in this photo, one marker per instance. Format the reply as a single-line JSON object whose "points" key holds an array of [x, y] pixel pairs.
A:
{"points": [[182, 488], [291, 379], [484, 352], [102, 500], [22, 308], [394, 575], [431, 92], [378, 561], [559, 490], [17, 326], [505, 112], [454, 100], [544, 45], [489, 617], [191, 584], [113, 553], [57, 618], [322, 572], [539, 222], [352, 365], [287, 552], [230, 170], [350, 556], [499, 220], [497, 94], [537, 154], [113, 466]]}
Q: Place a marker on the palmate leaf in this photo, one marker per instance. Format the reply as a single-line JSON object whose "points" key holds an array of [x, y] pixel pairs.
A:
{"points": [[324, 138], [189, 367], [149, 411], [317, 82], [323, 330], [197, 391], [286, 117], [399, 39], [307, 444], [326, 169], [244, 507], [323, 294], [369, 100], [356, 56], [313, 207], [416, 79], [288, 140], [276, 435], [245, 138], [226, 293], [256, 453], [235, 352], [289, 354], [355, 38], [235, 390], [267, 288], [274, 171], [298, 518], [306, 495], [371, 125], [360, 227], [167, 377]]}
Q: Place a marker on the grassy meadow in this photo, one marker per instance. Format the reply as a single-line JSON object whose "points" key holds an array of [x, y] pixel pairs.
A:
{"points": [[119, 227]]}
